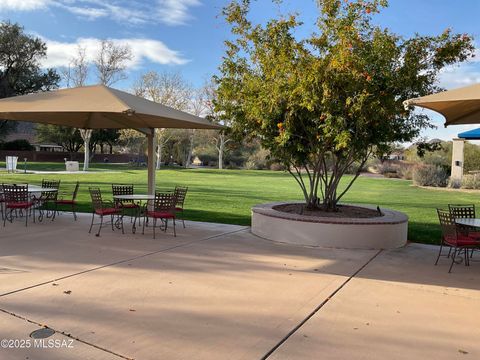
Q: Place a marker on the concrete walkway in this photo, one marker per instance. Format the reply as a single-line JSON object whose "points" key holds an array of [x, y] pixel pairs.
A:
{"points": [[218, 292]]}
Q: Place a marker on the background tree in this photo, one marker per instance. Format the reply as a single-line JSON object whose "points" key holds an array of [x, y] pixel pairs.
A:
{"points": [[323, 104], [67, 137], [20, 70], [198, 106], [133, 141], [169, 89], [220, 138], [110, 64], [76, 73]]}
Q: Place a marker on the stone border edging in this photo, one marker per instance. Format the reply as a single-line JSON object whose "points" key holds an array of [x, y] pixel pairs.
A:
{"points": [[390, 217]]}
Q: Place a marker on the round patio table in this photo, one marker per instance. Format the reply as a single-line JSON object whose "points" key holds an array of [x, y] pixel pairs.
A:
{"points": [[139, 198], [468, 222]]}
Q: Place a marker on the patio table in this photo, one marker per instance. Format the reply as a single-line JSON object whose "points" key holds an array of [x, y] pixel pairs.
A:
{"points": [[139, 198], [468, 222], [36, 189]]}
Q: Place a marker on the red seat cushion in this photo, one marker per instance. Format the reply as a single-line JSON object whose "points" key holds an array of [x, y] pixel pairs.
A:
{"points": [[462, 240], [128, 205], [107, 211], [474, 234], [178, 209], [160, 214], [20, 205], [66, 202]]}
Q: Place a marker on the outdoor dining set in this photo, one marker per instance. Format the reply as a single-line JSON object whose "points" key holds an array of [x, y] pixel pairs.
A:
{"points": [[24, 201], [460, 233]]}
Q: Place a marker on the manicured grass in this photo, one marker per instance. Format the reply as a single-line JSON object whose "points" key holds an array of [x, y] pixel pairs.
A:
{"points": [[227, 196]]}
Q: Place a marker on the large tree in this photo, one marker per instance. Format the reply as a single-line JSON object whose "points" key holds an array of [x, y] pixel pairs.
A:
{"points": [[323, 104], [169, 89], [110, 64], [67, 137], [20, 68]]}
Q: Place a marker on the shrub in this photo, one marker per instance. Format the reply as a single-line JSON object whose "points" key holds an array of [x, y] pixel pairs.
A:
{"points": [[430, 175], [258, 160], [277, 167], [405, 171], [471, 181], [20, 144]]}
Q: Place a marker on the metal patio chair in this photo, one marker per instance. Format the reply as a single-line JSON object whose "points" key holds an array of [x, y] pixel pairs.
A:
{"points": [[164, 209], [69, 199], [460, 211], [104, 208], [455, 239], [17, 202], [47, 200], [181, 194]]}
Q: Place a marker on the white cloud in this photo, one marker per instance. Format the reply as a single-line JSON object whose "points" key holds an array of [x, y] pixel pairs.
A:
{"points": [[60, 53], [23, 5], [169, 12], [175, 12], [91, 13]]}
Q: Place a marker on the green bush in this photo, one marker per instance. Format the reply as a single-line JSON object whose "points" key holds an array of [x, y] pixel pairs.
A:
{"points": [[471, 181], [430, 175], [20, 145]]}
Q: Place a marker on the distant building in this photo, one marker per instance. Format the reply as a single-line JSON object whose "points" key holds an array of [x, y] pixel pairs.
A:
{"points": [[48, 147], [396, 155]]}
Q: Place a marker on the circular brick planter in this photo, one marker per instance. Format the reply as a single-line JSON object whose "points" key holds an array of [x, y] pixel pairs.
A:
{"points": [[383, 232]]}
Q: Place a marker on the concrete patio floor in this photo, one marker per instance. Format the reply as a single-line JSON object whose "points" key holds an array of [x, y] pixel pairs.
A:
{"points": [[218, 292]]}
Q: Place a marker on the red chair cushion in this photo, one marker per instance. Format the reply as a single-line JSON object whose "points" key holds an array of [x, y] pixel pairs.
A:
{"points": [[178, 209], [129, 206], [107, 211], [20, 205], [160, 214], [66, 202], [474, 234], [462, 240]]}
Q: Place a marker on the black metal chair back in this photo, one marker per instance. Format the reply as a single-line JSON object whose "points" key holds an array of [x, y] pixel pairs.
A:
{"points": [[462, 211], [180, 194], [447, 224], [96, 196], [122, 189], [15, 193], [164, 202], [75, 191], [50, 184]]}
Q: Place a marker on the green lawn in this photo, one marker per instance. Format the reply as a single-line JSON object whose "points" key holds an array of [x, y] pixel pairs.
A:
{"points": [[227, 196]]}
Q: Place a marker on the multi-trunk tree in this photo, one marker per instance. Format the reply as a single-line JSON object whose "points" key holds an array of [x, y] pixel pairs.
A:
{"points": [[323, 104], [110, 64]]}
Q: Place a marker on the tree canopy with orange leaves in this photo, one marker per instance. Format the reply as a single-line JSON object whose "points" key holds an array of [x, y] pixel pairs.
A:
{"points": [[322, 105]]}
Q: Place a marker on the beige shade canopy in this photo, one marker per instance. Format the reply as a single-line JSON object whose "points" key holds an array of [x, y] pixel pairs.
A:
{"points": [[97, 107], [458, 106], [101, 107]]}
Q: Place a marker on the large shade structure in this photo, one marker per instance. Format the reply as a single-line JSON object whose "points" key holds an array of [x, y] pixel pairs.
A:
{"points": [[458, 106], [101, 107]]}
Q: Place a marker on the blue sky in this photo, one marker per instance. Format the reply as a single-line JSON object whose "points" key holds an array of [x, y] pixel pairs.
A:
{"points": [[187, 35]]}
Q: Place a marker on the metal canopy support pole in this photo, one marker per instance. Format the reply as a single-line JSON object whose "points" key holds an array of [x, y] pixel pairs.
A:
{"points": [[151, 161]]}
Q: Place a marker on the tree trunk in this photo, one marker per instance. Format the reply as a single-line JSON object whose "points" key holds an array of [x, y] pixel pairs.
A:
{"points": [[86, 136], [159, 156], [190, 149], [221, 149]]}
